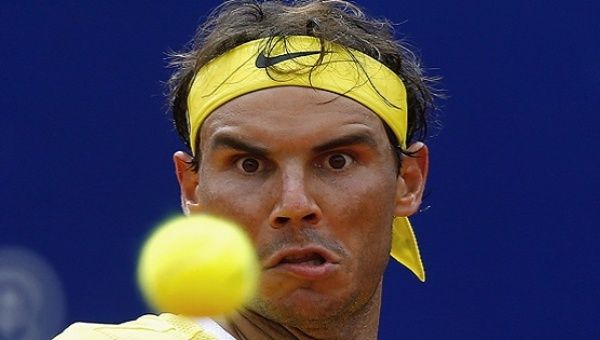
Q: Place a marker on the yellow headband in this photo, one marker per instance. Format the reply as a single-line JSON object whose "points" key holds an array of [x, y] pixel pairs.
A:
{"points": [[295, 61]]}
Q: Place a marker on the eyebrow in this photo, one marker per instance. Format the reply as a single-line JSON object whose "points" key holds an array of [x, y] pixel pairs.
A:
{"points": [[352, 139], [224, 141]]}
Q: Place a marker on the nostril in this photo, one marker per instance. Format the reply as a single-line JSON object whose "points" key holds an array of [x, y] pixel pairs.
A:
{"points": [[310, 218], [281, 220]]}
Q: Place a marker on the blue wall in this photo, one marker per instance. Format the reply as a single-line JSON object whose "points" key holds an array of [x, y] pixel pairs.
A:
{"points": [[509, 240]]}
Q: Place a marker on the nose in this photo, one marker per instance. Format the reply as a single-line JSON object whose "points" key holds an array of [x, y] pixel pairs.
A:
{"points": [[295, 205]]}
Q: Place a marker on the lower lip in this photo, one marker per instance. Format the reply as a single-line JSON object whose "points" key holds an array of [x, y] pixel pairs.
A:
{"points": [[307, 271]]}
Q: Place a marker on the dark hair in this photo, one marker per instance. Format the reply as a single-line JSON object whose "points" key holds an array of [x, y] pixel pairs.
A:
{"points": [[239, 21]]}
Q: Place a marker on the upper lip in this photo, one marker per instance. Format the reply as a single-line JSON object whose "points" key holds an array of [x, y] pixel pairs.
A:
{"points": [[278, 256]]}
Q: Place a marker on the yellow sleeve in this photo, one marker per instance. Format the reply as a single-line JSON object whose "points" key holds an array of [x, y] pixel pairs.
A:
{"points": [[148, 327]]}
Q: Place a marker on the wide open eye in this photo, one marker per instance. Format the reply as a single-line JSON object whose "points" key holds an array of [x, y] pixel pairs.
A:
{"points": [[249, 165], [338, 161]]}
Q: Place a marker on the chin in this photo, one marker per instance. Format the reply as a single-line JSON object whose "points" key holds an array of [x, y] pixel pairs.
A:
{"points": [[304, 306]]}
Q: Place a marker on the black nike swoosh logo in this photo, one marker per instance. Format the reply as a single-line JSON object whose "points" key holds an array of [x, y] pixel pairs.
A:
{"points": [[262, 61]]}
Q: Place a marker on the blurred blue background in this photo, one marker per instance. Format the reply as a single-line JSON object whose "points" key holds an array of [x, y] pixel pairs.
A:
{"points": [[509, 240]]}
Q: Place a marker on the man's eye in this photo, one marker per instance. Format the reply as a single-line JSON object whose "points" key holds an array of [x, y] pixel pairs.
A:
{"points": [[249, 165], [338, 161]]}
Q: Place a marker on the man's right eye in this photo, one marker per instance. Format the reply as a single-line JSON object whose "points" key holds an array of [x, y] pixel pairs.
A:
{"points": [[249, 165]]}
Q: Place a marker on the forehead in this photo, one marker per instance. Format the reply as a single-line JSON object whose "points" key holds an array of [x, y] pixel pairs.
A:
{"points": [[291, 112]]}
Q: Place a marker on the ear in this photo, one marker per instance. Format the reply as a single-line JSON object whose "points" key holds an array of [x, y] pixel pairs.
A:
{"points": [[411, 180], [188, 182]]}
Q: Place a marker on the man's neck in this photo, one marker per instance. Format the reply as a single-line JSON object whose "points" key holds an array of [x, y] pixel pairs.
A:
{"points": [[363, 324]]}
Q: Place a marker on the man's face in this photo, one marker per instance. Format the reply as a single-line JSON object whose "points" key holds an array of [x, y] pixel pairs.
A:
{"points": [[312, 178]]}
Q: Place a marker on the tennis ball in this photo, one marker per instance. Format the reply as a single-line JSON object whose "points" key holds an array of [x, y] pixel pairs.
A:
{"points": [[199, 265]]}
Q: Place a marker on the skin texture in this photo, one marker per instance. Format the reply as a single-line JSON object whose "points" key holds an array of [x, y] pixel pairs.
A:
{"points": [[299, 167]]}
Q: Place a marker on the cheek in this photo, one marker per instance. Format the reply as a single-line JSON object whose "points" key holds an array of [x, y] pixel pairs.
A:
{"points": [[245, 204], [363, 211], [366, 200]]}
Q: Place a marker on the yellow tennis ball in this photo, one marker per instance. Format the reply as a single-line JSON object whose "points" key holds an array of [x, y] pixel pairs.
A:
{"points": [[198, 266]]}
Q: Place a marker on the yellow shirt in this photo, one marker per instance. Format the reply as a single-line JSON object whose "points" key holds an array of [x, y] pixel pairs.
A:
{"points": [[148, 327]]}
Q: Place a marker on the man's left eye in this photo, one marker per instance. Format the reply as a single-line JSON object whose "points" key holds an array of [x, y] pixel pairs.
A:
{"points": [[338, 161]]}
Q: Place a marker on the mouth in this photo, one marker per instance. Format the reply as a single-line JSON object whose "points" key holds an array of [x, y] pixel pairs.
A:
{"points": [[309, 259], [308, 263]]}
